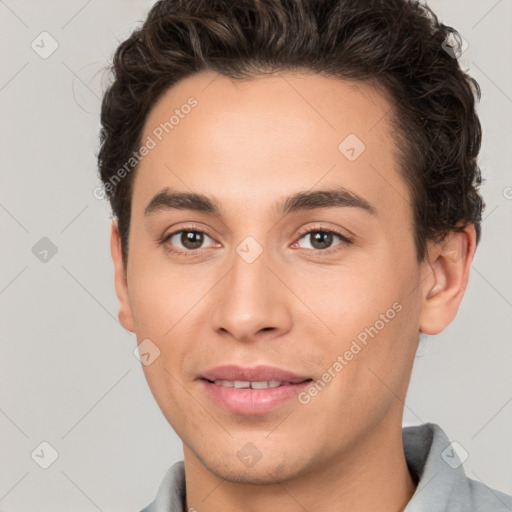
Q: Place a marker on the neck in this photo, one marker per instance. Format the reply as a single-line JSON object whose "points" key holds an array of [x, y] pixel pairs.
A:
{"points": [[371, 476]]}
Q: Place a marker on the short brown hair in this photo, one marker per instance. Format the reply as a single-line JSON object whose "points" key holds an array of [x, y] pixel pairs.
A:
{"points": [[397, 45]]}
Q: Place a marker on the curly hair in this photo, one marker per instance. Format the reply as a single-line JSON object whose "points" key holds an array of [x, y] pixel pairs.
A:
{"points": [[399, 46]]}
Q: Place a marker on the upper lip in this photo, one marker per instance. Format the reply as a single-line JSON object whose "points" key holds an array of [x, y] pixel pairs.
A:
{"points": [[254, 374]]}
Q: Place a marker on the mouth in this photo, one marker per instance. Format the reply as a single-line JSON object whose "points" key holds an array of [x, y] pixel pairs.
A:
{"points": [[251, 391], [246, 384], [256, 374]]}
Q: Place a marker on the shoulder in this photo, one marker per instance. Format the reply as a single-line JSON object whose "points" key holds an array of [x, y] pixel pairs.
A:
{"points": [[484, 498], [436, 463]]}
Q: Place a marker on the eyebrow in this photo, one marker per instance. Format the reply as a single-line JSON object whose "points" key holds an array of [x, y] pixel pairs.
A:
{"points": [[338, 197]]}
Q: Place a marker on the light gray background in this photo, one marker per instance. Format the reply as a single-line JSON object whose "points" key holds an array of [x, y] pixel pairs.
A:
{"points": [[68, 375]]}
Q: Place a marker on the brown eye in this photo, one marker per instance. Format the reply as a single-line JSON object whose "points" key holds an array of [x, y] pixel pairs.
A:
{"points": [[320, 239], [191, 239], [186, 240]]}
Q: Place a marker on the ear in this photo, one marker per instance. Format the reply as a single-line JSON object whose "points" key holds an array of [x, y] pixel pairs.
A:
{"points": [[121, 284], [445, 278]]}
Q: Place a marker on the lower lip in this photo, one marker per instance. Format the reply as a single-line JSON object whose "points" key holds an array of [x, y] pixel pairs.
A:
{"points": [[252, 401]]}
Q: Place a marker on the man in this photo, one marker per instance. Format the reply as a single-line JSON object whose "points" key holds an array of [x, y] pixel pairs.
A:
{"points": [[295, 189]]}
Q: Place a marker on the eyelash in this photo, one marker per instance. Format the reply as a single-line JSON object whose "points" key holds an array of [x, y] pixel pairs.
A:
{"points": [[194, 229], [319, 229]]}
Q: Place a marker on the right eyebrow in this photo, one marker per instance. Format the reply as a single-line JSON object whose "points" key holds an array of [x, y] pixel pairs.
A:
{"points": [[166, 200], [337, 197]]}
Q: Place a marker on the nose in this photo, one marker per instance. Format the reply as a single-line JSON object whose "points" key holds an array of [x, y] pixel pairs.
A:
{"points": [[251, 302]]}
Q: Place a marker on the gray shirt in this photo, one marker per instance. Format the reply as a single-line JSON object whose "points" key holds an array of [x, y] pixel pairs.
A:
{"points": [[432, 460]]}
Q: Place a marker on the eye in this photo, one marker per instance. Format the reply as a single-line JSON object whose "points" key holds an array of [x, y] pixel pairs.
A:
{"points": [[322, 239], [190, 240]]}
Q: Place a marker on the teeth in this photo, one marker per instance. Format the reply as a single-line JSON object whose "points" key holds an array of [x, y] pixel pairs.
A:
{"points": [[245, 384], [228, 383], [259, 385]]}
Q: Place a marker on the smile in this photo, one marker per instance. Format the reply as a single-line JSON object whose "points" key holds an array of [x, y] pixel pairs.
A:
{"points": [[244, 384]]}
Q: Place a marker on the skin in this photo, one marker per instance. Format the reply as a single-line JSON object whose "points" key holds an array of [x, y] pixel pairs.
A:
{"points": [[248, 144]]}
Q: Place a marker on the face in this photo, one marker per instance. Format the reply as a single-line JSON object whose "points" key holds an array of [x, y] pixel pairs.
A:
{"points": [[314, 296]]}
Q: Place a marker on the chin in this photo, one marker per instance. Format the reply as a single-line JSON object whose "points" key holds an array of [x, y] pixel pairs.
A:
{"points": [[263, 472]]}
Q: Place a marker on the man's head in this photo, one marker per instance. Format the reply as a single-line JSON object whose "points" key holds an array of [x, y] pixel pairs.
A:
{"points": [[266, 124]]}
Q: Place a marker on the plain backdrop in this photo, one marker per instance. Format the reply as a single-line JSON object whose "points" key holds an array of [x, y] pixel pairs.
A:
{"points": [[68, 376]]}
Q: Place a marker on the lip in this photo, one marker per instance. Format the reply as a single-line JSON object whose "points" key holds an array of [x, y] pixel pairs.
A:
{"points": [[248, 401], [257, 373]]}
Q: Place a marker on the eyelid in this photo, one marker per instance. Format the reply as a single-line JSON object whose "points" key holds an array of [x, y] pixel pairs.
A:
{"points": [[324, 229], [187, 227]]}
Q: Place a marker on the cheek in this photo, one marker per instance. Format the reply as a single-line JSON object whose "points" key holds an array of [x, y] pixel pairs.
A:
{"points": [[353, 298], [163, 381], [371, 313], [163, 306], [157, 299], [146, 311]]}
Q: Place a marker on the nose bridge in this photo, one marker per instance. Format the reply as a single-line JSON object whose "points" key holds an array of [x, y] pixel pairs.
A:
{"points": [[249, 298]]}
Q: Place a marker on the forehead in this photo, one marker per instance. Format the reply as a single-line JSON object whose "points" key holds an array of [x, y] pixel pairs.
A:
{"points": [[297, 106], [253, 140]]}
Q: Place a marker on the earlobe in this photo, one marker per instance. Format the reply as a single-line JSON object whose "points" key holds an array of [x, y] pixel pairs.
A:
{"points": [[121, 285], [447, 275]]}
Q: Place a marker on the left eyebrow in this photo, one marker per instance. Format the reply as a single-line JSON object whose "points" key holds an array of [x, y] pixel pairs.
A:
{"points": [[338, 197]]}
